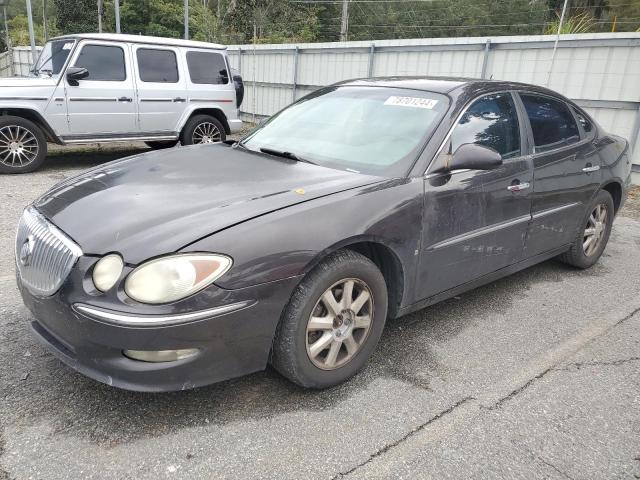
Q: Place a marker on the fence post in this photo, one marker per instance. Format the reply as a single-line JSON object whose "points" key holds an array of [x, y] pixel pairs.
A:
{"points": [[372, 52], [294, 83], [485, 58]]}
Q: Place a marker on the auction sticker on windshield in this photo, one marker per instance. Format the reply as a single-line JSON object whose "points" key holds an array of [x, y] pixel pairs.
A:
{"points": [[415, 102]]}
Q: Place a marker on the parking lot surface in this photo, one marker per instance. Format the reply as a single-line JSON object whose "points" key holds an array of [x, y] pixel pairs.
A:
{"points": [[534, 376]]}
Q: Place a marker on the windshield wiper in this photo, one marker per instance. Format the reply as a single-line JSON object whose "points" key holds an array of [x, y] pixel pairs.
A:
{"points": [[289, 155]]}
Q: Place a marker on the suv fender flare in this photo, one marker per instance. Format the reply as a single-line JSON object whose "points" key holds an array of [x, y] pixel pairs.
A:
{"points": [[28, 112], [217, 112]]}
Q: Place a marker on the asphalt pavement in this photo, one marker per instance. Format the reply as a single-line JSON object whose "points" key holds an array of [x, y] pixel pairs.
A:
{"points": [[536, 376]]}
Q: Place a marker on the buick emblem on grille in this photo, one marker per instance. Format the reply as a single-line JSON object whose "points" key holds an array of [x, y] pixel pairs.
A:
{"points": [[26, 251]]}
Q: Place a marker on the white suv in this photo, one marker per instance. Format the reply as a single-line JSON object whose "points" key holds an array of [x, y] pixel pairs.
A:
{"points": [[105, 88]]}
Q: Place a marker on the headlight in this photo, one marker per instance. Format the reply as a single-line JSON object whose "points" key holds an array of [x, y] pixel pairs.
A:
{"points": [[107, 271], [171, 278]]}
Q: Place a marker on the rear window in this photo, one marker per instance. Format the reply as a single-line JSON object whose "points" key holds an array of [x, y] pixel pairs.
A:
{"points": [[207, 68], [552, 123], [158, 66]]}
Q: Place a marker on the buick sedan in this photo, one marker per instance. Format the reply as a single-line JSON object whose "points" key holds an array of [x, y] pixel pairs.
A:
{"points": [[361, 202]]}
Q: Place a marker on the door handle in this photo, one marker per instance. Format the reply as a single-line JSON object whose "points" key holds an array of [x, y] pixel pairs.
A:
{"points": [[591, 168], [125, 99], [518, 187], [179, 99]]}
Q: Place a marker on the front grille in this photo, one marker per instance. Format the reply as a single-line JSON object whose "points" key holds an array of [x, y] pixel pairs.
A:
{"points": [[44, 255]]}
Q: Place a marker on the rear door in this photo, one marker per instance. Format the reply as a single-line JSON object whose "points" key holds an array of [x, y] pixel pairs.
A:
{"points": [[162, 95], [566, 172], [102, 105], [475, 221]]}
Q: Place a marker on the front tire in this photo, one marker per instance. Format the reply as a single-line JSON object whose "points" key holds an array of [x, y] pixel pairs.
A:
{"points": [[23, 146], [332, 323], [594, 233], [202, 129]]}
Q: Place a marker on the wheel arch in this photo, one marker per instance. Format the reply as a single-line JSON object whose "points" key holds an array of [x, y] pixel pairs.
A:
{"points": [[35, 117], [615, 189], [383, 256], [215, 112]]}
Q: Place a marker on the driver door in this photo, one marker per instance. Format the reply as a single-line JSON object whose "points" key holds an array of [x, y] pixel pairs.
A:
{"points": [[103, 104], [475, 221]]}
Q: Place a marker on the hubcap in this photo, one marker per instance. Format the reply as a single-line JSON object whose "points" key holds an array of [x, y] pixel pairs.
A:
{"points": [[594, 231], [339, 323], [206, 132], [18, 146]]}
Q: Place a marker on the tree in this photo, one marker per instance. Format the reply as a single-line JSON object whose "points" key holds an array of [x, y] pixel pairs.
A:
{"points": [[79, 16]]}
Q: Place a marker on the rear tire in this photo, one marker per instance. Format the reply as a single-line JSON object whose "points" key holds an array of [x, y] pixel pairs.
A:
{"points": [[23, 146], [202, 129], [594, 233], [313, 346], [159, 144]]}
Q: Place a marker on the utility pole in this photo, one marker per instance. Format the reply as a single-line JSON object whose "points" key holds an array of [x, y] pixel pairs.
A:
{"points": [[32, 39], [555, 45], [44, 20], [100, 16], [117, 5], [186, 19], [344, 26]]}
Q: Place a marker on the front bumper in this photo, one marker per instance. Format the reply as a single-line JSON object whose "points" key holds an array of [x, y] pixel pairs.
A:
{"points": [[230, 343]]}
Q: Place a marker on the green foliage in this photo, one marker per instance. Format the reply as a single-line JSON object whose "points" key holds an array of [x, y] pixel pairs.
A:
{"points": [[580, 23], [78, 16]]}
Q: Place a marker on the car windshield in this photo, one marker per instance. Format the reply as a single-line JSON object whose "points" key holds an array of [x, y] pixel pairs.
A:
{"points": [[373, 130], [53, 57]]}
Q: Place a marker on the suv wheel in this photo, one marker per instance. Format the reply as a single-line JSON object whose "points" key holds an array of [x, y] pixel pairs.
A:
{"points": [[333, 321], [23, 146], [202, 129]]}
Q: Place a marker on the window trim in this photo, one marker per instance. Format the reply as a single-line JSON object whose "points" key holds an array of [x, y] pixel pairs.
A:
{"points": [[195, 50], [581, 140], [139, 71], [106, 44], [524, 146]]}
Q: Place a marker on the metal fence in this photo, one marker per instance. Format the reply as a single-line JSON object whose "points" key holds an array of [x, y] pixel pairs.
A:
{"points": [[601, 72]]}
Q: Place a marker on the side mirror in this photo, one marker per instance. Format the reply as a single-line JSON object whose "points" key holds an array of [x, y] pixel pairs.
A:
{"points": [[474, 157], [76, 73]]}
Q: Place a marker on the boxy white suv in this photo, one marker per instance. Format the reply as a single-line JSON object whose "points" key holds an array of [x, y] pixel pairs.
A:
{"points": [[106, 87]]}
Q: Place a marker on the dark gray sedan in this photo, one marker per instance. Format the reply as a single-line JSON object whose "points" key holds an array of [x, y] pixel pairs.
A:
{"points": [[363, 201]]}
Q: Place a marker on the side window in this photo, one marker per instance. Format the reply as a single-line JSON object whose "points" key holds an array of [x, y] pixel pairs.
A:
{"points": [[104, 62], [207, 68], [491, 121], [158, 66], [552, 124], [584, 121]]}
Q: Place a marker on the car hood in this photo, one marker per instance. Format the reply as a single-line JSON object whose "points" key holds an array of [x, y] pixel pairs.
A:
{"points": [[28, 82], [159, 202]]}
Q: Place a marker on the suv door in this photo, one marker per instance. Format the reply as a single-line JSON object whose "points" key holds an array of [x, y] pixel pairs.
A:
{"points": [[566, 172], [102, 105], [162, 92], [475, 221]]}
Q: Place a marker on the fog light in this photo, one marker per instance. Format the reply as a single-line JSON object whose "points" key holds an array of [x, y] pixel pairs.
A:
{"points": [[160, 355]]}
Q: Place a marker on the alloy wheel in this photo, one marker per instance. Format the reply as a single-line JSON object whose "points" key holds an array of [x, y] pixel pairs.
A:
{"points": [[595, 229], [206, 132], [18, 146], [339, 323]]}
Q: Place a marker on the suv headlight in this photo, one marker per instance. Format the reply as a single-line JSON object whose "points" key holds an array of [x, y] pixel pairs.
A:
{"points": [[171, 278]]}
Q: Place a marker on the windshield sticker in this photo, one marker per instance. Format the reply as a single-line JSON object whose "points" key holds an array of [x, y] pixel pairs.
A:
{"points": [[414, 102], [67, 46]]}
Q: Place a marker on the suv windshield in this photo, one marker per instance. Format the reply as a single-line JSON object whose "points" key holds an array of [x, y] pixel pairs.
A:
{"points": [[373, 130], [53, 57]]}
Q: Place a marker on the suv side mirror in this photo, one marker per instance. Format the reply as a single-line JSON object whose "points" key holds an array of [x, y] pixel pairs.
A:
{"points": [[76, 73], [474, 157]]}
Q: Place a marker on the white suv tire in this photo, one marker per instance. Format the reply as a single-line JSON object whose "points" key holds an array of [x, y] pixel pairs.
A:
{"points": [[23, 146], [202, 129]]}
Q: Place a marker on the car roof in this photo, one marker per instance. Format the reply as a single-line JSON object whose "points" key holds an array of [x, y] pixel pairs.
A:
{"points": [[446, 85], [122, 37]]}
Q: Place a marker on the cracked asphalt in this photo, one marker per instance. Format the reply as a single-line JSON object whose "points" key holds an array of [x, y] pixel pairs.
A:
{"points": [[534, 376]]}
